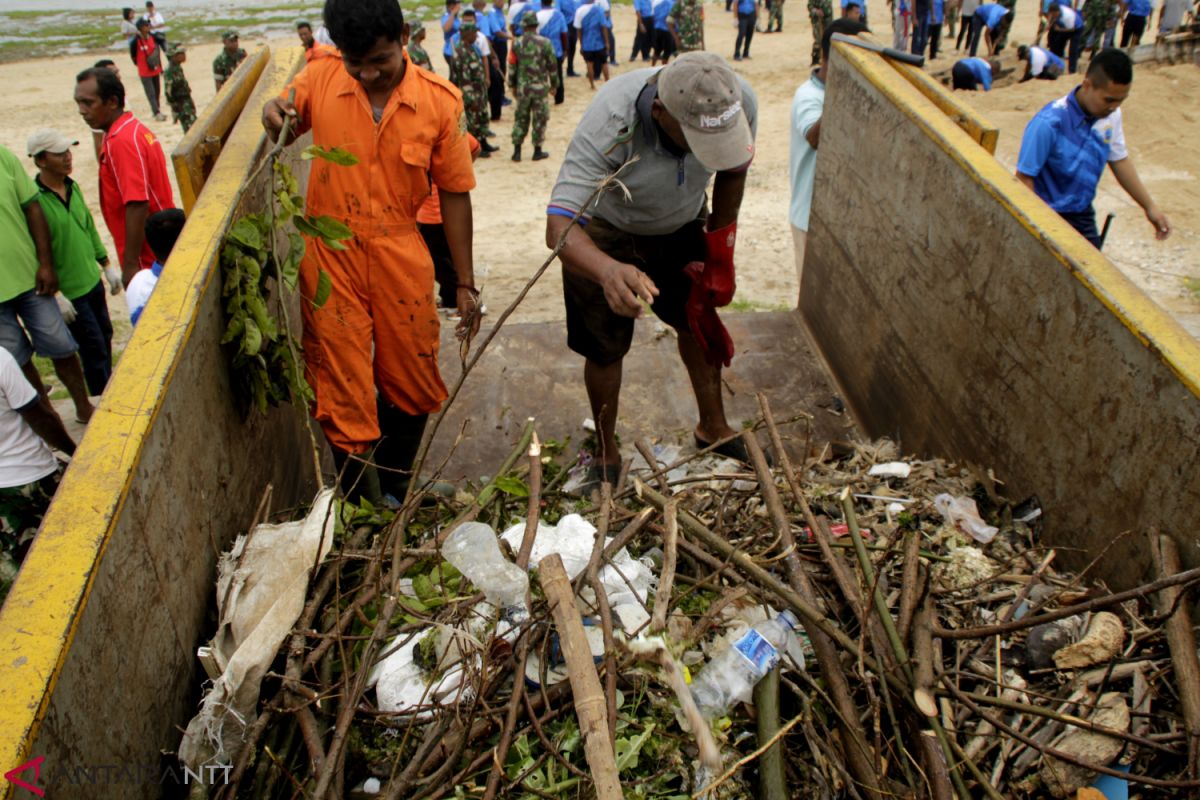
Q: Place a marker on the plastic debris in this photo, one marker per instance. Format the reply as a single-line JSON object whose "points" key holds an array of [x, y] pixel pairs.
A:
{"points": [[963, 514]]}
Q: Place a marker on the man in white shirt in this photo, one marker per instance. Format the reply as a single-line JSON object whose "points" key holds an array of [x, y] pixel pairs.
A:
{"points": [[158, 26], [29, 472], [807, 106]]}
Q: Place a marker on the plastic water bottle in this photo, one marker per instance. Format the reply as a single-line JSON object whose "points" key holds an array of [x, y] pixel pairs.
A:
{"points": [[473, 549], [731, 676]]}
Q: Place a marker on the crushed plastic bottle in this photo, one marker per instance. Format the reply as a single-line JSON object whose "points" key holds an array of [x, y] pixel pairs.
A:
{"points": [[731, 676], [473, 549], [962, 513]]}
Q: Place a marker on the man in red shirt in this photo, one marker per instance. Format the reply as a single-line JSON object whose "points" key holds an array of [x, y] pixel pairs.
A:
{"points": [[146, 53], [133, 169]]}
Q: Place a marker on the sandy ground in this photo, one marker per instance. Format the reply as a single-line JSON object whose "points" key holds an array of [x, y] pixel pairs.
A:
{"points": [[1161, 124]]}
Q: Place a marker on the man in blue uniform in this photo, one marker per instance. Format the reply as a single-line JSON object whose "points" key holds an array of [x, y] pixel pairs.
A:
{"points": [[1067, 144]]}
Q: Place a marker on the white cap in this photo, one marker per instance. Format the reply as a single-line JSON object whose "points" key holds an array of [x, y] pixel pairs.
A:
{"points": [[48, 140]]}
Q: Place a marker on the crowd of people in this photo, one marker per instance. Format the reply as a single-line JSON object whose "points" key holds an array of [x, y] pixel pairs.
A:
{"points": [[686, 120]]}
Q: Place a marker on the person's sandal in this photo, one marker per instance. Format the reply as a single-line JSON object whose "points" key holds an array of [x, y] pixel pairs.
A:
{"points": [[735, 449], [598, 474]]}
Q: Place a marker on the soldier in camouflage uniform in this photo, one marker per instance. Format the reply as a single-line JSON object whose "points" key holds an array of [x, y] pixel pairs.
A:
{"points": [[178, 93], [776, 15], [687, 25], [533, 78], [470, 75], [1096, 17], [821, 14], [228, 59], [416, 52]]}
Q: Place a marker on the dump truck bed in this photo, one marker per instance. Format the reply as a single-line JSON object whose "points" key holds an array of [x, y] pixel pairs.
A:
{"points": [[1021, 349]]}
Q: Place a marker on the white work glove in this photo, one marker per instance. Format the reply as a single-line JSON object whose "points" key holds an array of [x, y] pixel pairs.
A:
{"points": [[113, 276], [66, 307]]}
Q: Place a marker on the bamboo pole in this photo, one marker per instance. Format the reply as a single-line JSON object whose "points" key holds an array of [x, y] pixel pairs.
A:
{"points": [[590, 707], [1181, 639]]}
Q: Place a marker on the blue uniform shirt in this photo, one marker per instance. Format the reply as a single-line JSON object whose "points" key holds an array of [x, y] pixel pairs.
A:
{"points": [[496, 22], [553, 29], [591, 30], [644, 8], [991, 14], [745, 6], [515, 12], [937, 12], [982, 71], [1065, 152], [448, 48], [1140, 8], [662, 10], [567, 8]]}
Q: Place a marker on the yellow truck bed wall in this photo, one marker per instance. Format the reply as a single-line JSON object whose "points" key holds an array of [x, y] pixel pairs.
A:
{"points": [[98, 637], [960, 314]]}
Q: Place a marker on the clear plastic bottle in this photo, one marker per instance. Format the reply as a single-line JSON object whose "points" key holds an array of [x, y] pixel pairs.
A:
{"points": [[473, 549], [731, 676]]}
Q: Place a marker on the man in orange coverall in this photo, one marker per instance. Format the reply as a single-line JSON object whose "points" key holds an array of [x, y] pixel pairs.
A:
{"points": [[379, 328]]}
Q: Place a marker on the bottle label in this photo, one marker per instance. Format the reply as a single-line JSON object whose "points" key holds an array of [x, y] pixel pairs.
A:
{"points": [[758, 651]]}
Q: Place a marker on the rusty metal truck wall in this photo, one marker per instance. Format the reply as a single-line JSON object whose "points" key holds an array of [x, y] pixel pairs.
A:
{"points": [[960, 314], [98, 637]]}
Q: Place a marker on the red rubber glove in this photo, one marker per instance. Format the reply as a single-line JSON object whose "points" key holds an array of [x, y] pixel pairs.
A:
{"points": [[703, 321], [718, 276]]}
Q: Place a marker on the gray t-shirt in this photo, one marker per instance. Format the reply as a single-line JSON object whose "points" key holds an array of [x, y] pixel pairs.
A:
{"points": [[666, 192]]}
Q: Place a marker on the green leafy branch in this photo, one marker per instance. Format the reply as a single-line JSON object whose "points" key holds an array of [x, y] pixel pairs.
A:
{"points": [[266, 357]]}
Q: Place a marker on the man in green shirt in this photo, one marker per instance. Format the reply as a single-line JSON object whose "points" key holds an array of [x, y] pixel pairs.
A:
{"points": [[28, 283], [77, 252], [226, 62]]}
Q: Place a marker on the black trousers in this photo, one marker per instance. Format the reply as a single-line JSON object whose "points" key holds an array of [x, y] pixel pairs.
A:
{"points": [[1084, 222], [572, 42], [964, 30], [741, 45], [642, 41], [443, 264], [560, 93], [935, 38], [495, 90], [93, 333]]}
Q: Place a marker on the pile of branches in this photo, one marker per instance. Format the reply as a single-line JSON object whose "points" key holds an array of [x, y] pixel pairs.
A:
{"points": [[937, 666]]}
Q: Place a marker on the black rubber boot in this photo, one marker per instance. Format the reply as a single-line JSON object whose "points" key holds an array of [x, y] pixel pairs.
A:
{"points": [[539, 154], [516, 153], [400, 438], [358, 477]]}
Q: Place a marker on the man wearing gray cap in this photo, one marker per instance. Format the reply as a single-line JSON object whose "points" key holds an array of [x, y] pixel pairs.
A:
{"points": [[680, 125]]}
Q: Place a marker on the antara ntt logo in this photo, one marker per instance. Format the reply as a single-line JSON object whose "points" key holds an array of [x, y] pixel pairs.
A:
{"points": [[28, 776]]}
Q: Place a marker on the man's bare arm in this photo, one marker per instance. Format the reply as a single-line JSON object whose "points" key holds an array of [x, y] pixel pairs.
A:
{"points": [[135, 237], [46, 424], [458, 222], [625, 286], [47, 279], [813, 137], [728, 188], [1127, 175]]}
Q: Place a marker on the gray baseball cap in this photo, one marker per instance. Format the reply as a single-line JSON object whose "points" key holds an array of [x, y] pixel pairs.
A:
{"points": [[702, 92]]}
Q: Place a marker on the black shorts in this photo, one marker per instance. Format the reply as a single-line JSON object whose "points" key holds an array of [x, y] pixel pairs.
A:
{"points": [[663, 42], [598, 333], [597, 57], [963, 77]]}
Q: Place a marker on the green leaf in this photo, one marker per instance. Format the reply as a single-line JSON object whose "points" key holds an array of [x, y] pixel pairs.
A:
{"points": [[304, 226], [424, 588], [246, 233], [628, 749], [330, 228], [335, 155], [324, 287], [236, 327], [512, 486], [333, 244], [290, 270], [252, 341]]}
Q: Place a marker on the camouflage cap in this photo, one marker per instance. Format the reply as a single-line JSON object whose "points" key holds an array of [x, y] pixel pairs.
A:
{"points": [[529, 20], [173, 49], [415, 26], [229, 36], [468, 26]]}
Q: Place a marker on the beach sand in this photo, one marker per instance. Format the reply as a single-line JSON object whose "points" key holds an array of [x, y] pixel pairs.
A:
{"points": [[1161, 120]]}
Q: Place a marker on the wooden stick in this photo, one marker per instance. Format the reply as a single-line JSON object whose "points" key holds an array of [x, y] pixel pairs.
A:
{"points": [[666, 580], [1181, 639], [1108, 601], [585, 684], [860, 761], [532, 515], [909, 583], [643, 447], [772, 782]]}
